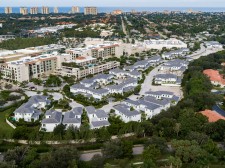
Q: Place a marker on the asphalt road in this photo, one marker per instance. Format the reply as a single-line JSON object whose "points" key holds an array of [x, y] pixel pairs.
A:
{"points": [[137, 150]]}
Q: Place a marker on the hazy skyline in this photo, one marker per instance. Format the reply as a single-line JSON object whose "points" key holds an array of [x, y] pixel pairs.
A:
{"points": [[115, 3]]}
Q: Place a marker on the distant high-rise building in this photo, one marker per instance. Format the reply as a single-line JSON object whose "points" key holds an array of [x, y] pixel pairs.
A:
{"points": [[133, 11], [56, 10], [90, 11], [8, 10], [23, 11], [45, 10], [75, 9], [34, 10], [117, 12]]}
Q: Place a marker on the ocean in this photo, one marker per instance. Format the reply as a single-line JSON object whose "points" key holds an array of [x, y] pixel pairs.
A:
{"points": [[128, 9]]}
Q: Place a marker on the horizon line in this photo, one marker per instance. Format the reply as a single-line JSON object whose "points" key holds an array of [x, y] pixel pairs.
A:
{"points": [[120, 6]]}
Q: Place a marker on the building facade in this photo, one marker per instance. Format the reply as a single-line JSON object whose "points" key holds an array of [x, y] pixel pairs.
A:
{"points": [[90, 11], [23, 11], [34, 10], [45, 10], [8, 10], [75, 9], [27, 68], [56, 10]]}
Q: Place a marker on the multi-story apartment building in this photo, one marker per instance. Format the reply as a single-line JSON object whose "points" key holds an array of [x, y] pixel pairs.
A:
{"points": [[45, 10], [117, 12], [23, 11], [29, 67], [8, 10], [56, 10], [75, 9], [82, 72], [34, 10], [90, 11], [104, 50], [13, 55]]}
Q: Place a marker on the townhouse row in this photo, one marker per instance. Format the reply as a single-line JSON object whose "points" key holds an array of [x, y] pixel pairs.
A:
{"points": [[148, 106], [31, 112]]}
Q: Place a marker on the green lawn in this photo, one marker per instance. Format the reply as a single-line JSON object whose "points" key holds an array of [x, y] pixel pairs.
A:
{"points": [[5, 129]]}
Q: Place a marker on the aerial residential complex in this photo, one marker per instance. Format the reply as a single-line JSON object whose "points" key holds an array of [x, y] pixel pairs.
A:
{"points": [[111, 86]]}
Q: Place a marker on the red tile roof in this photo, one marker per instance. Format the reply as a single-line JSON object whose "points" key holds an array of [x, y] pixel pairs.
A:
{"points": [[214, 75], [212, 115]]}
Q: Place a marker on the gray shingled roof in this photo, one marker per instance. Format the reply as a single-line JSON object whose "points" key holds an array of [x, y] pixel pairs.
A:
{"points": [[159, 93], [77, 110], [149, 105], [122, 109], [157, 57], [100, 123], [90, 109], [101, 114], [151, 99], [27, 107], [87, 81], [165, 76], [55, 117], [136, 103], [70, 118]]}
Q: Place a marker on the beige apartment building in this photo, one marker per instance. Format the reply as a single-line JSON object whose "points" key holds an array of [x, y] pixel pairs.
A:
{"points": [[45, 10], [29, 67], [105, 50], [8, 10], [23, 11], [90, 11], [75, 9], [117, 12], [83, 72], [34, 10], [56, 10]]}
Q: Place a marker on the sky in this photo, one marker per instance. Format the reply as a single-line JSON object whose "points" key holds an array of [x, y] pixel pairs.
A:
{"points": [[115, 3]]}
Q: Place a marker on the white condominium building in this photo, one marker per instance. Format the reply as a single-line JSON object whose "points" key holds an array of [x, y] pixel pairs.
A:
{"points": [[75, 9], [79, 73], [29, 67], [56, 10], [34, 10], [104, 50], [23, 11], [45, 10], [159, 44], [90, 11], [8, 10]]}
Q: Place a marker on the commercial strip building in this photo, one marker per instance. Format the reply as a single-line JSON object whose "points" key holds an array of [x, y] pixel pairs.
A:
{"points": [[159, 44], [13, 55]]}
